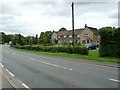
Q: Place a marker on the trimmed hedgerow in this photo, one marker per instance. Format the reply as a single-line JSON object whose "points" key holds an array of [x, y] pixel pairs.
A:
{"points": [[71, 50], [109, 42]]}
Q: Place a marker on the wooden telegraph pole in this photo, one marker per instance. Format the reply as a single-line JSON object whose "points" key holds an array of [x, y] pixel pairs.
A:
{"points": [[73, 23]]}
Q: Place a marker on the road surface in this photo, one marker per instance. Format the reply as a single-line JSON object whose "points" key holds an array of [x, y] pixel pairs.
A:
{"points": [[41, 71]]}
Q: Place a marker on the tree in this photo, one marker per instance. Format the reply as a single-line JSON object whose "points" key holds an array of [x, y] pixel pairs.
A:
{"points": [[42, 38], [109, 42], [18, 39], [9, 37], [63, 29], [36, 39], [48, 36], [3, 37]]}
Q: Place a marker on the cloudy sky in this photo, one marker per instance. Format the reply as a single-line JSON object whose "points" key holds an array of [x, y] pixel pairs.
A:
{"points": [[30, 17]]}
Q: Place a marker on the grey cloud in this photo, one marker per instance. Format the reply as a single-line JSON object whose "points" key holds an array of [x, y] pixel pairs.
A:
{"points": [[49, 9], [16, 29], [114, 15], [100, 7], [4, 18], [9, 9]]}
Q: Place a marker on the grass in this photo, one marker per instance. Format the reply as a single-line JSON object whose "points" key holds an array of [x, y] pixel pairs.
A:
{"points": [[93, 55]]}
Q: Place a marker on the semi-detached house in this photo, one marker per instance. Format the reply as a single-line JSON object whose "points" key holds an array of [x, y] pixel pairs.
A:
{"points": [[83, 35]]}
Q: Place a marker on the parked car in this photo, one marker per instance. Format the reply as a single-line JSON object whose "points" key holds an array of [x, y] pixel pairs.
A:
{"points": [[92, 46]]}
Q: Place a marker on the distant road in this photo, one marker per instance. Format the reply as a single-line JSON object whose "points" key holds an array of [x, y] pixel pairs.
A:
{"points": [[41, 71]]}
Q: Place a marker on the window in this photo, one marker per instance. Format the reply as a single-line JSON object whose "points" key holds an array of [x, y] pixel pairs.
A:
{"points": [[67, 35], [87, 41], [61, 36], [83, 41], [64, 36], [70, 41], [86, 35], [54, 36], [78, 35], [70, 35]]}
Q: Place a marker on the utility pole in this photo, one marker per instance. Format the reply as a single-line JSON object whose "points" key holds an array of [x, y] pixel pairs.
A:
{"points": [[73, 23]]}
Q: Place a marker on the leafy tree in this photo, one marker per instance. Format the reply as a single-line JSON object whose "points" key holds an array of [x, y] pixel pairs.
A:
{"points": [[31, 40], [109, 42], [36, 39], [18, 39], [3, 37], [48, 36], [42, 38], [9, 37], [14, 40]]}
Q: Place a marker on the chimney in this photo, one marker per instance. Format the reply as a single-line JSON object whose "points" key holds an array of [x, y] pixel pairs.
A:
{"points": [[85, 25]]}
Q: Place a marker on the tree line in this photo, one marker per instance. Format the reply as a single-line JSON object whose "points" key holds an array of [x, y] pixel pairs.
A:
{"points": [[44, 38]]}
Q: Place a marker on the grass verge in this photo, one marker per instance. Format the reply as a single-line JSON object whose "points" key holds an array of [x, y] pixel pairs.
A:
{"points": [[93, 55]]}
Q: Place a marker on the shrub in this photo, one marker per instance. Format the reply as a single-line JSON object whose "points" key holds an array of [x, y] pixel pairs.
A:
{"points": [[71, 50], [109, 42]]}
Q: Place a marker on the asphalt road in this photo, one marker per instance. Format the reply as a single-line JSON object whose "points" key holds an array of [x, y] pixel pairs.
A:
{"points": [[41, 71]]}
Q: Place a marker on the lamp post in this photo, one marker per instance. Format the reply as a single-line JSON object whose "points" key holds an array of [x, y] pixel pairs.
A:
{"points": [[73, 23]]}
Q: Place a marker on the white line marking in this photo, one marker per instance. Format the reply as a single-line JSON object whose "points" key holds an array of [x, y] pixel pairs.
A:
{"points": [[70, 69], [19, 81], [31, 58], [10, 73], [114, 80], [25, 85], [14, 53], [51, 64], [1, 65]]}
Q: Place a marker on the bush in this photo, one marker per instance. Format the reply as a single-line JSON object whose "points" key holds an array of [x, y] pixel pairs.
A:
{"points": [[71, 50], [109, 42]]}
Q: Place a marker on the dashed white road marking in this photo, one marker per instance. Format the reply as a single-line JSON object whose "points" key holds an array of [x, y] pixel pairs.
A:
{"points": [[25, 85], [19, 81], [14, 53], [114, 80], [14, 75], [10, 73], [51, 64], [1, 65]]}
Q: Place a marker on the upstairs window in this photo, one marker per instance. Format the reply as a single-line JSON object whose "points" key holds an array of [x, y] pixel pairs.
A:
{"points": [[78, 35], [85, 35], [70, 35], [64, 36]]}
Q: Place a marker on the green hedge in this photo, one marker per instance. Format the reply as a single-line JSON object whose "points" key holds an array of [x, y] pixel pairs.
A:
{"points": [[109, 42], [71, 50]]}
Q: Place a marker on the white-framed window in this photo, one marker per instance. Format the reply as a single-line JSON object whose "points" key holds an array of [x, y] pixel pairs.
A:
{"points": [[64, 36], [70, 35], [70, 41], [86, 35], [78, 35], [54, 36]]}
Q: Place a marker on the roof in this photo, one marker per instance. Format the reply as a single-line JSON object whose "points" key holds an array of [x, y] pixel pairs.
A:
{"points": [[76, 31], [69, 32], [95, 30]]}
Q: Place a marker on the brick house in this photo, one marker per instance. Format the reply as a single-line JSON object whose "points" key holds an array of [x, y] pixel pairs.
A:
{"points": [[82, 35]]}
